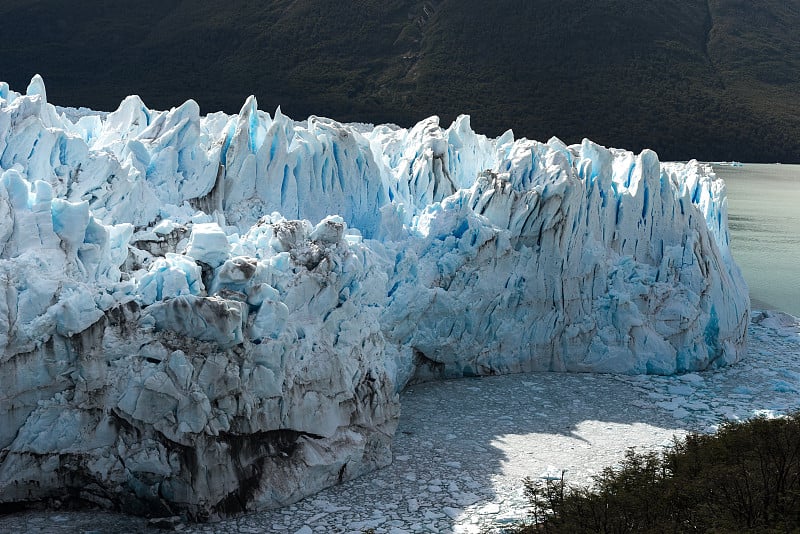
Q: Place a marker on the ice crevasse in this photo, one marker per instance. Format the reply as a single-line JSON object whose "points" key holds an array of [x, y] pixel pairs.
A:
{"points": [[203, 315]]}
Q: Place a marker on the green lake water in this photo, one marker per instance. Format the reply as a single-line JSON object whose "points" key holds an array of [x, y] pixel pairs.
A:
{"points": [[764, 220]]}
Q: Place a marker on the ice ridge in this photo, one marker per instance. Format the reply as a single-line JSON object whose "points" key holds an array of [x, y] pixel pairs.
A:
{"points": [[208, 314]]}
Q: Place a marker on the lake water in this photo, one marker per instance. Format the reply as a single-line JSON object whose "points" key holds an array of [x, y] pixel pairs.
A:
{"points": [[764, 220]]}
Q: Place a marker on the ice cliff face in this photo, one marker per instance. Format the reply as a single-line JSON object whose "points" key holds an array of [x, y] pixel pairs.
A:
{"points": [[210, 314]]}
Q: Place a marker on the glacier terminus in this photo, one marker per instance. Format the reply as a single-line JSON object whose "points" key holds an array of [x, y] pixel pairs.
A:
{"points": [[204, 315]]}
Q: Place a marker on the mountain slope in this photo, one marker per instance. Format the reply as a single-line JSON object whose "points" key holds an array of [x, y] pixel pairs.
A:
{"points": [[712, 79]]}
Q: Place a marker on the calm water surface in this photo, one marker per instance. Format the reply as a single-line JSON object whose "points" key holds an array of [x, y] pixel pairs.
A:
{"points": [[764, 219]]}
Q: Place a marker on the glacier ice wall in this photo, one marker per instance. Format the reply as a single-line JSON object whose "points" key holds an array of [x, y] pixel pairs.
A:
{"points": [[211, 314]]}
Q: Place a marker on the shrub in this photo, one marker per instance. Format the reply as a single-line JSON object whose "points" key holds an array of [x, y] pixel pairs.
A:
{"points": [[744, 478]]}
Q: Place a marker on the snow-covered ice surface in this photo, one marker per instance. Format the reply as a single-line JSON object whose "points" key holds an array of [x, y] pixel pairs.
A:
{"points": [[210, 315], [464, 446]]}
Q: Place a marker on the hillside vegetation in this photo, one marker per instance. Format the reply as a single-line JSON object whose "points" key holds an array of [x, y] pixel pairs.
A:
{"points": [[709, 79], [744, 478]]}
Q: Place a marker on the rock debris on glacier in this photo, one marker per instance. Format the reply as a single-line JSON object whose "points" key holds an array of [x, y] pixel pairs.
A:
{"points": [[211, 314]]}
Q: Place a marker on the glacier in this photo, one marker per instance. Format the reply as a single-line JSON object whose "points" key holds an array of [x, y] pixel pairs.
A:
{"points": [[210, 314]]}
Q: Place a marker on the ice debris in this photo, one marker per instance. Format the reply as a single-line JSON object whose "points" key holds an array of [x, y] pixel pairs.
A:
{"points": [[208, 314]]}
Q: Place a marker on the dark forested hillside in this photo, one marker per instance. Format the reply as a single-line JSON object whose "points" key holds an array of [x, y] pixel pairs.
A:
{"points": [[711, 79]]}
